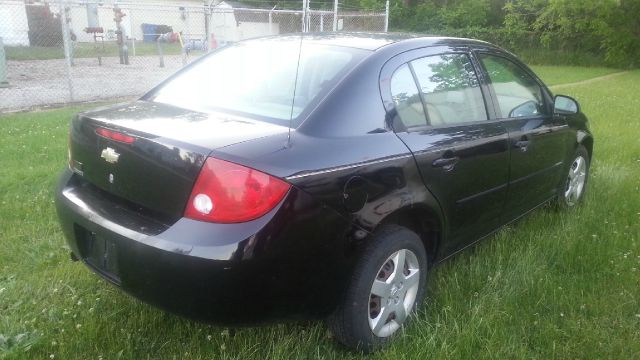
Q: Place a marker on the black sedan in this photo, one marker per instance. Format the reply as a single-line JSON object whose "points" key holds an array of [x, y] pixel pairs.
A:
{"points": [[316, 177]]}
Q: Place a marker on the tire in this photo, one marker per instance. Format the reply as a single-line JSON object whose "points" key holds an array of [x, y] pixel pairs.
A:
{"points": [[574, 185], [362, 321]]}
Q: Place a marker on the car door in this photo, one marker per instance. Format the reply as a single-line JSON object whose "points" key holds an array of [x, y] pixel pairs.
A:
{"points": [[439, 112], [537, 138]]}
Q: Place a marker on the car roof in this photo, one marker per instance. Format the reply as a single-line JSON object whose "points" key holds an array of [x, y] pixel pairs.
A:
{"points": [[375, 40]]}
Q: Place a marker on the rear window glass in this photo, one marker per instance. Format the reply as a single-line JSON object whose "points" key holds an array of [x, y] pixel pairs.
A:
{"points": [[258, 78]]}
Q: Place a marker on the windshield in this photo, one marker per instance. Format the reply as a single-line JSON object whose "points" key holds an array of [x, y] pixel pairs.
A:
{"points": [[258, 78]]}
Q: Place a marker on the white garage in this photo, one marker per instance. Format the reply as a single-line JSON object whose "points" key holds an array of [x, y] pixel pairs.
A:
{"points": [[14, 29]]}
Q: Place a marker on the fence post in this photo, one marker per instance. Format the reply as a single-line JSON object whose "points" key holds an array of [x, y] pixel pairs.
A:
{"points": [[160, 52], [206, 26], [386, 16], [335, 15], [66, 42], [132, 35], [304, 16], [3, 66]]}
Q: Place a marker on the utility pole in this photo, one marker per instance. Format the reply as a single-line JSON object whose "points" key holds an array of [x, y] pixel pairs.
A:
{"points": [[123, 49]]}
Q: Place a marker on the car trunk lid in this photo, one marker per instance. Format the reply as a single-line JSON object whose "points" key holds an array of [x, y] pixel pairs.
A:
{"points": [[150, 154]]}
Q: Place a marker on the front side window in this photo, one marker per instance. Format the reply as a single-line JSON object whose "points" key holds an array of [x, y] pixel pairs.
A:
{"points": [[518, 94], [257, 78], [450, 89]]}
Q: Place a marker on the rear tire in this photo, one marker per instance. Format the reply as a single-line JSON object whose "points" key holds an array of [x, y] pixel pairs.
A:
{"points": [[574, 185], [382, 295]]}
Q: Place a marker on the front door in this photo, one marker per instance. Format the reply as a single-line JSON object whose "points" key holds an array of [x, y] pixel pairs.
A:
{"points": [[537, 138], [440, 114]]}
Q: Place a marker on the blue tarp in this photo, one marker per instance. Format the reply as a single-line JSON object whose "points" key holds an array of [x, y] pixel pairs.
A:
{"points": [[149, 32]]}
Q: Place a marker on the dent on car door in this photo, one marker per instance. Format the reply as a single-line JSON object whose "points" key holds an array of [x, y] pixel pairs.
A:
{"points": [[440, 114], [537, 138]]}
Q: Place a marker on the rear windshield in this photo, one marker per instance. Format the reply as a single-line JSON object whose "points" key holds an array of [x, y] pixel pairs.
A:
{"points": [[257, 78]]}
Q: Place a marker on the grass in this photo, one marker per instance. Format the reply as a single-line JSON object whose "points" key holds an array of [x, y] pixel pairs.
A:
{"points": [[556, 285], [87, 50], [555, 75], [544, 56]]}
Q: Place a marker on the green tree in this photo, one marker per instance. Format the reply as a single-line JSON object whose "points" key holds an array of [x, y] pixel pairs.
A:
{"points": [[521, 15], [465, 13], [579, 24], [623, 41]]}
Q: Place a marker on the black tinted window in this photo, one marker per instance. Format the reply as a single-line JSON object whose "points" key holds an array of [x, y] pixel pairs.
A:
{"points": [[407, 98], [450, 89], [518, 93]]}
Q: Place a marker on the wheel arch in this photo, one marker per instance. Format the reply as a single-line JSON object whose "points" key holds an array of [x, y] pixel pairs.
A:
{"points": [[423, 221], [586, 140]]}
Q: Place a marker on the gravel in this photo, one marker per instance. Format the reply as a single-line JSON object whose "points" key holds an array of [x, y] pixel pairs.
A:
{"points": [[37, 83]]}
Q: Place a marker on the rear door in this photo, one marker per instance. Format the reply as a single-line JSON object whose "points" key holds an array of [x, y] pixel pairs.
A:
{"points": [[537, 138], [439, 112]]}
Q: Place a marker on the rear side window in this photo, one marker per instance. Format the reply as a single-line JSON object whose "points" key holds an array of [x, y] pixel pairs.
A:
{"points": [[406, 98], [450, 89], [518, 94]]}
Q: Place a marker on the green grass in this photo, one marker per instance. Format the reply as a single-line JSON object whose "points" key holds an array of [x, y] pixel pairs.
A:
{"points": [[555, 75], [543, 56], [87, 50], [556, 285]]}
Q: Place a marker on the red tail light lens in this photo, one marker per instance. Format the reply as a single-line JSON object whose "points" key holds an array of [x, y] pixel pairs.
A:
{"points": [[116, 136], [230, 193]]}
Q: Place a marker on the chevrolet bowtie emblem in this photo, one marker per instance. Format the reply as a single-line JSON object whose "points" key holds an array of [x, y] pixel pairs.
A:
{"points": [[110, 155]]}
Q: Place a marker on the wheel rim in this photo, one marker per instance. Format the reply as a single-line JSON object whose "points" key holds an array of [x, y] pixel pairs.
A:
{"points": [[576, 181], [393, 293]]}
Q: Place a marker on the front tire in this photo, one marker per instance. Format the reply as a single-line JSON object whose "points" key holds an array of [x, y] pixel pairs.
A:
{"points": [[387, 285], [575, 183]]}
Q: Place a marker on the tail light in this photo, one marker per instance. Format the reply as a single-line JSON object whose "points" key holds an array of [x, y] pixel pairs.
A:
{"points": [[114, 135], [226, 192]]}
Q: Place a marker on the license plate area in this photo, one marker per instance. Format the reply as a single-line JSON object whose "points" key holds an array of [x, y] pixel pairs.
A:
{"points": [[99, 253]]}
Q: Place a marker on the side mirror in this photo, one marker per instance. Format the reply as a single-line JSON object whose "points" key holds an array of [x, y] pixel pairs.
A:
{"points": [[565, 105], [529, 108]]}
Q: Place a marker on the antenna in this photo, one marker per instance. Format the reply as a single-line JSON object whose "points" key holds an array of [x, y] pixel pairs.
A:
{"points": [[295, 87]]}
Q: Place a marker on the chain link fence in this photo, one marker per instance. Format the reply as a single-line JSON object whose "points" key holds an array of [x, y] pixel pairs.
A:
{"points": [[60, 52]]}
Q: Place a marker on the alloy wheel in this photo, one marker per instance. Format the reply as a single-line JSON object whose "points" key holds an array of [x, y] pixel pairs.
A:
{"points": [[393, 293], [576, 181]]}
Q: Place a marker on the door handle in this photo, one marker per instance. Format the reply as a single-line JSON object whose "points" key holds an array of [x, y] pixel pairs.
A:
{"points": [[523, 143], [447, 163], [544, 131]]}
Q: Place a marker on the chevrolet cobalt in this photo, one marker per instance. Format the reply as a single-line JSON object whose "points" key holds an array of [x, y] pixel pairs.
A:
{"points": [[316, 177]]}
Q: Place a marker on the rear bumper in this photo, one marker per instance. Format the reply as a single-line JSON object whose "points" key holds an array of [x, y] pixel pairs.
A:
{"points": [[285, 264]]}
